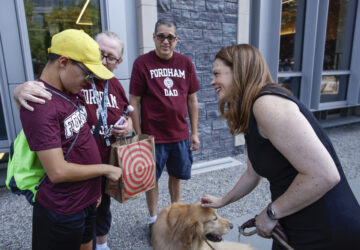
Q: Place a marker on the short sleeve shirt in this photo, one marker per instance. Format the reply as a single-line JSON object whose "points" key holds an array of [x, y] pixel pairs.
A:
{"points": [[55, 124], [164, 86], [115, 108]]}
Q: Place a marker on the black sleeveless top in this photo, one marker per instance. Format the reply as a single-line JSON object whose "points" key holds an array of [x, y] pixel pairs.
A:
{"points": [[332, 222]]}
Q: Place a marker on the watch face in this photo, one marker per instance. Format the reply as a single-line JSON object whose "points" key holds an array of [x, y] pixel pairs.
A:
{"points": [[270, 212]]}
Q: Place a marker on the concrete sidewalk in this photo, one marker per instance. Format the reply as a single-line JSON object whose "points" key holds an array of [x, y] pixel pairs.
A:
{"points": [[129, 229]]}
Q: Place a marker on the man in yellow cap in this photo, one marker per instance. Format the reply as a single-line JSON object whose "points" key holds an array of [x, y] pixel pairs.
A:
{"points": [[65, 208]]}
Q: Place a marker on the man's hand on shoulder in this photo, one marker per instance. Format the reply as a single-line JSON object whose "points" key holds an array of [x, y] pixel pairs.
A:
{"points": [[32, 91]]}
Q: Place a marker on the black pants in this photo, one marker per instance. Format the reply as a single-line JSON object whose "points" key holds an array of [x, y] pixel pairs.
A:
{"points": [[55, 231]]}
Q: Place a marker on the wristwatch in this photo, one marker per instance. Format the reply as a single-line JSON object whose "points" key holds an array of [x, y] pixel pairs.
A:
{"points": [[270, 212]]}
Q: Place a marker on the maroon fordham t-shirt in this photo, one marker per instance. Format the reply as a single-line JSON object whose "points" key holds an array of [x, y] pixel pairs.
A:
{"points": [[55, 125], [117, 103], [164, 86]]}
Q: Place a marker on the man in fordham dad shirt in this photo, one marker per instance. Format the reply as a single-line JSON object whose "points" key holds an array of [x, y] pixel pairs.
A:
{"points": [[164, 84], [64, 212]]}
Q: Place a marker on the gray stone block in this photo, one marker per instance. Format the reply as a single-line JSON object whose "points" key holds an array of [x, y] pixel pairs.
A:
{"points": [[230, 18], [213, 17], [231, 8], [199, 5], [182, 4], [213, 36], [229, 29], [219, 124], [215, 6]]}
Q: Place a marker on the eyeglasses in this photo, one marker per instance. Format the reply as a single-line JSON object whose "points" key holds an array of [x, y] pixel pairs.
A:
{"points": [[110, 59], [161, 37], [88, 75]]}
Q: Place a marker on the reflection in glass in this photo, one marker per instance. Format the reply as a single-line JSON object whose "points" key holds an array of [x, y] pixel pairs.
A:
{"points": [[340, 26], [292, 84], [3, 134], [291, 36], [334, 88], [46, 18]]}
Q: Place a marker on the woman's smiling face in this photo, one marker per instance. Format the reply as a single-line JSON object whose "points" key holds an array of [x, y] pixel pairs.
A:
{"points": [[222, 79]]}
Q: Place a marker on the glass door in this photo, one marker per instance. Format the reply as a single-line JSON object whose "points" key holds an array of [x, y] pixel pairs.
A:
{"points": [[46, 18]]}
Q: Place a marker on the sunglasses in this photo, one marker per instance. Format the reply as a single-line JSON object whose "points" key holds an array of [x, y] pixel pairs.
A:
{"points": [[161, 37], [88, 74]]}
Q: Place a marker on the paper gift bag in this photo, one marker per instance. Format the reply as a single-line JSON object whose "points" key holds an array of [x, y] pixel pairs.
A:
{"points": [[136, 157]]}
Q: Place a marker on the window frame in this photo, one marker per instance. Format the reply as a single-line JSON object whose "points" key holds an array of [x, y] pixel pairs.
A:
{"points": [[265, 34]]}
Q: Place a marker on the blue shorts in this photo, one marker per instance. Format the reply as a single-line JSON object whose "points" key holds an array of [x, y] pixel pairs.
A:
{"points": [[56, 231], [176, 156]]}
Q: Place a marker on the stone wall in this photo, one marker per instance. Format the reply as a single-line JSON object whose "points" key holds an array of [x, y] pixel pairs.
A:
{"points": [[204, 26]]}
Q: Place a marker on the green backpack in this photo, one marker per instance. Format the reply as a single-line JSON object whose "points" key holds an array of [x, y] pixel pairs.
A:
{"points": [[25, 172]]}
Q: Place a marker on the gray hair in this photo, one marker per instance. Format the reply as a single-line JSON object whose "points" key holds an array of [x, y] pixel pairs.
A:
{"points": [[114, 36], [165, 21]]}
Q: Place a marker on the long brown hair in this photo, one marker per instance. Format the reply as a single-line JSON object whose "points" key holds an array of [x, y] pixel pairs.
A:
{"points": [[250, 75]]}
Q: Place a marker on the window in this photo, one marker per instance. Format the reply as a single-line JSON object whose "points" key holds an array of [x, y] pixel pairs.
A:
{"points": [[291, 44], [46, 18], [337, 54], [292, 25], [338, 36], [312, 48]]}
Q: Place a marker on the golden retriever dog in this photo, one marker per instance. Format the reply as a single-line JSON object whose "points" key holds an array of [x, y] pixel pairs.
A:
{"points": [[189, 227]]}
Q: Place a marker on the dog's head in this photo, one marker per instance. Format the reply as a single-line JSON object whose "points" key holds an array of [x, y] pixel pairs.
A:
{"points": [[194, 222]]}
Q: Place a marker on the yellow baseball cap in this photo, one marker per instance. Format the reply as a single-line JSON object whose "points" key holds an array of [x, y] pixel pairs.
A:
{"points": [[79, 46]]}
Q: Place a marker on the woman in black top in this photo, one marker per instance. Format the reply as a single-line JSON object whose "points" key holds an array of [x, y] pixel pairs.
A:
{"points": [[311, 197]]}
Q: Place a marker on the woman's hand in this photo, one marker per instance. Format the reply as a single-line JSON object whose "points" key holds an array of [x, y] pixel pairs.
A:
{"points": [[211, 201], [264, 225]]}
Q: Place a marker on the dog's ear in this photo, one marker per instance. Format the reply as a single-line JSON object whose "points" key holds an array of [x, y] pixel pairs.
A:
{"points": [[176, 213], [192, 231]]}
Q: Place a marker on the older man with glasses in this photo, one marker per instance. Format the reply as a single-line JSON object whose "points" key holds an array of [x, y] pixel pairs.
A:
{"points": [[105, 103], [165, 84]]}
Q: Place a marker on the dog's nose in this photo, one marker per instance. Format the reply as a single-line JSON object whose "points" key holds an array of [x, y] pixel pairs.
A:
{"points": [[231, 226]]}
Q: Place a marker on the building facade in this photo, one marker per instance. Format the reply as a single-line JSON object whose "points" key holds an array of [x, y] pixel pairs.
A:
{"points": [[311, 46]]}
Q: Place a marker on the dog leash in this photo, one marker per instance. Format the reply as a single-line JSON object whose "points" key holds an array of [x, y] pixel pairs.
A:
{"points": [[207, 242], [277, 233]]}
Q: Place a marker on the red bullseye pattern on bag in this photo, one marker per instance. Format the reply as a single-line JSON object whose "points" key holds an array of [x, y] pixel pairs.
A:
{"points": [[136, 157], [138, 171]]}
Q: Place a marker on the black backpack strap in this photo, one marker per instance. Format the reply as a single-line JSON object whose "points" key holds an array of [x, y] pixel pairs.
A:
{"points": [[97, 129], [72, 145], [77, 107], [64, 97], [11, 153]]}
